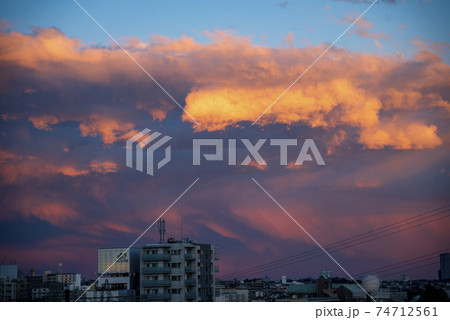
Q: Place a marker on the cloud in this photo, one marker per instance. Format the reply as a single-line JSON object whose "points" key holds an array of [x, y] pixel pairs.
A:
{"points": [[398, 136], [103, 167], [427, 56], [109, 129], [344, 89], [289, 39], [349, 18], [4, 25], [17, 169], [377, 44], [43, 122], [438, 46], [371, 35], [363, 26]]}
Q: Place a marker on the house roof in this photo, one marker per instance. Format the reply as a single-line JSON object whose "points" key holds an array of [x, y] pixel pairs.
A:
{"points": [[303, 288], [356, 291]]}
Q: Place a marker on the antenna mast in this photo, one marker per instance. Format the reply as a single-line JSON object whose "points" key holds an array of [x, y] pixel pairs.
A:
{"points": [[162, 230]]}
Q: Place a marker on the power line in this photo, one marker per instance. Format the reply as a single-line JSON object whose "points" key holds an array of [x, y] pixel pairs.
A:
{"points": [[348, 242], [415, 268], [317, 254], [415, 260], [341, 241]]}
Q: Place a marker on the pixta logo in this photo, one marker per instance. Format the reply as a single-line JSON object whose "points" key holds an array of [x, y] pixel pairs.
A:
{"points": [[145, 140], [308, 148]]}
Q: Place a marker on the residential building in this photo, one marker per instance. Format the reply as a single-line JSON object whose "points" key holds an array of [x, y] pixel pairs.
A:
{"points": [[110, 296], [207, 270], [324, 285], [119, 268], [444, 272], [350, 292], [118, 260], [21, 289], [302, 290], [8, 271], [64, 278], [7, 290], [49, 286], [231, 295], [177, 271]]}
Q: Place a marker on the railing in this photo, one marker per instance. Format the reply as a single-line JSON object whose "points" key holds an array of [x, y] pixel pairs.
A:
{"points": [[190, 270], [191, 282], [156, 257], [156, 283], [189, 257], [157, 296], [155, 270], [190, 295]]}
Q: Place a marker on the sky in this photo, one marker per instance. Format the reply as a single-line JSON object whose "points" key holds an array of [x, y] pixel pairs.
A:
{"points": [[376, 105]]}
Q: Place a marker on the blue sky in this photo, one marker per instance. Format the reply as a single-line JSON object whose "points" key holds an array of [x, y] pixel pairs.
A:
{"points": [[266, 22]]}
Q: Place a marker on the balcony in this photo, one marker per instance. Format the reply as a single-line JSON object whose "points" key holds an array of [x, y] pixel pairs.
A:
{"points": [[156, 257], [156, 283], [190, 270], [189, 257], [191, 282], [157, 296], [190, 295], [155, 270]]}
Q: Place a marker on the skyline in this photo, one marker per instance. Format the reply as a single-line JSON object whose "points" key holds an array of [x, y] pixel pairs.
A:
{"points": [[377, 106], [386, 273]]}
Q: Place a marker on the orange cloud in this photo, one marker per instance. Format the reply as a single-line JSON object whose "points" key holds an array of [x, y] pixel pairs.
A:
{"points": [[399, 137], [43, 122], [350, 17], [103, 167], [363, 26], [230, 80], [289, 39], [109, 129], [54, 211], [14, 168]]}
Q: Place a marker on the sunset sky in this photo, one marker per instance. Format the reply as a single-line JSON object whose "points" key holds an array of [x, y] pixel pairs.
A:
{"points": [[377, 105]]}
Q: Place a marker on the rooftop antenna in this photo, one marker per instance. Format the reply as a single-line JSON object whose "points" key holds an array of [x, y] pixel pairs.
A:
{"points": [[181, 227], [162, 229], [106, 292]]}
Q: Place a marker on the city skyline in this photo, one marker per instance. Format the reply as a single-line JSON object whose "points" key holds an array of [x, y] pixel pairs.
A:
{"points": [[184, 270], [397, 271]]}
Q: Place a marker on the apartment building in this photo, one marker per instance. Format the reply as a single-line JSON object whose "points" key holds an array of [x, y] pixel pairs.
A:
{"points": [[177, 271], [120, 280]]}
